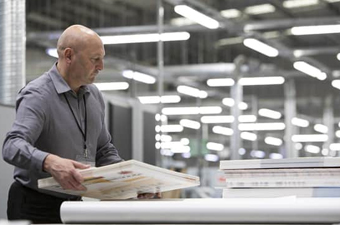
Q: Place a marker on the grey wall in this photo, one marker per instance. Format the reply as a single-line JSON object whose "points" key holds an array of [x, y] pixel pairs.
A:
{"points": [[7, 115]]}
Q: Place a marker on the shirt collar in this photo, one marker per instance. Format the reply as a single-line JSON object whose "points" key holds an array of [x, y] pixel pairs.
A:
{"points": [[60, 84]]}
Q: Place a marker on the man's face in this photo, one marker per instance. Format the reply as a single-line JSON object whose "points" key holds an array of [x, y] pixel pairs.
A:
{"points": [[89, 62]]}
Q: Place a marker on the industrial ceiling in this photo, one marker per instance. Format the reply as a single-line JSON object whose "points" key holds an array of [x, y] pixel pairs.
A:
{"points": [[211, 53]]}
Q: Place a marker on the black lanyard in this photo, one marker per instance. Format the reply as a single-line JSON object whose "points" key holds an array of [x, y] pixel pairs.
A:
{"points": [[84, 133]]}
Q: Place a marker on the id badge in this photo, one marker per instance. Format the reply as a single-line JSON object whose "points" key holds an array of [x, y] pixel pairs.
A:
{"points": [[89, 160]]}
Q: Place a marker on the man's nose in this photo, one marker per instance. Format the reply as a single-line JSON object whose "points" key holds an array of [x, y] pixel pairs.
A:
{"points": [[100, 65]]}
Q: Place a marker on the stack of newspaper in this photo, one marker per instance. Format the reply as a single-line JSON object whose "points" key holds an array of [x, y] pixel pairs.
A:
{"points": [[125, 180], [299, 177]]}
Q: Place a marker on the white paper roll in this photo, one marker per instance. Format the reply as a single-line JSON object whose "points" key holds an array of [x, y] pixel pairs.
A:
{"points": [[241, 210]]}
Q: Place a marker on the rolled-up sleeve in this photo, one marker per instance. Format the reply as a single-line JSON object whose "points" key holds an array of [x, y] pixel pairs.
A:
{"points": [[18, 148]]}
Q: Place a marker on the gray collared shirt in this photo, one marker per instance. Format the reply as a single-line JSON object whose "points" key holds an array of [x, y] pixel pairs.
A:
{"points": [[44, 124]]}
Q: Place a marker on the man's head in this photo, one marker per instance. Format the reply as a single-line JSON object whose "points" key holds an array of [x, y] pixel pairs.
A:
{"points": [[81, 54]]}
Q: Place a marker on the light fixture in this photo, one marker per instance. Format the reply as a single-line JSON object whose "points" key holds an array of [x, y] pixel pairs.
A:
{"points": [[190, 124], [181, 21], [163, 138], [270, 113], [298, 146], [259, 9], [180, 149], [141, 77], [257, 154], [261, 47], [217, 119], [185, 141], [194, 92], [196, 16], [334, 146], [222, 130], [252, 81], [220, 82], [230, 13], [275, 156], [215, 146], [321, 128], [157, 99], [312, 149], [192, 110], [273, 141], [247, 118], [230, 102], [309, 70], [248, 136], [110, 86], [169, 128], [52, 52], [261, 126], [337, 133], [145, 38], [309, 138], [338, 55], [299, 3], [159, 117], [300, 122], [211, 157], [314, 30], [336, 84]]}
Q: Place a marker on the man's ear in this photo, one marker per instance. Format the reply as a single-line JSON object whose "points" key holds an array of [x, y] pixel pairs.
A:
{"points": [[68, 54]]}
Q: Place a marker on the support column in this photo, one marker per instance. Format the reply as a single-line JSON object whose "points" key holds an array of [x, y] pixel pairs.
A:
{"points": [[328, 120], [12, 48], [237, 95], [290, 112]]}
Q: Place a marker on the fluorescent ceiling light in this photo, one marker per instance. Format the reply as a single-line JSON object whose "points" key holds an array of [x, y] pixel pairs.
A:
{"points": [[309, 138], [309, 70], [223, 130], [337, 133], [163, 138], [312, 149], [169, 128], [145, 38], [230, 102], [338, 55], [185, 141], [273, 141], [248, 136], [192, 110], [230, 13], [321, 128], [110, 86], [247, 118], [298, 146], [251, 81], [141, 77], [257, 154], [181, 21], [275, 156], [270, 113], [334, 146], [313, 30], [157, 99], [192, 91], [180, 149], [196, 16], [52, 52], [300, 122], [336, 84], [211, 157], [260, 9], [299, 3], [215, 146], [242, 151], [159, 117], [217, 119], [261, 126], [166, 152], [220, 82], [190, 124], [261, 47]]}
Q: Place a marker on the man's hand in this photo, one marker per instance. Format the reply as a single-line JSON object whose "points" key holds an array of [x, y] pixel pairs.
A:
{"points": [[149, 195], [65, 172]]}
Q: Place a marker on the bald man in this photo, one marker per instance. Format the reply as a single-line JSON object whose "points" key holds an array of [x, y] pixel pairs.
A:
{"points": [[59, 128]]}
